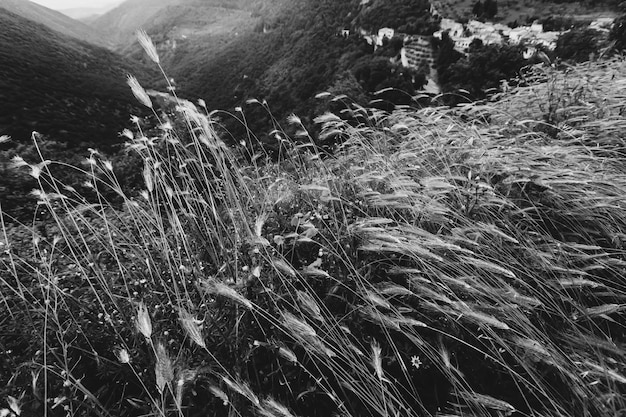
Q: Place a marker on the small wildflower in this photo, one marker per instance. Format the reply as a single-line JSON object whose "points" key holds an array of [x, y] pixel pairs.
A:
{"points": [[416, 362]]}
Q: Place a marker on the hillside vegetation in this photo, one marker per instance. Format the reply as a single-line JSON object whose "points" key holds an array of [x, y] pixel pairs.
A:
{"points": [[171, 19], [441, 262], [61, 87]]}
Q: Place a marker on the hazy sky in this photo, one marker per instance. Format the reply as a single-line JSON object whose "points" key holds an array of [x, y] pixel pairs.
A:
{"points": [[68, 4]]}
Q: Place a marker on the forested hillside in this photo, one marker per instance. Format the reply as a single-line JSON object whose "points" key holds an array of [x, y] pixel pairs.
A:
{"points": [[63, 88], [54, 20], [73, 93]]}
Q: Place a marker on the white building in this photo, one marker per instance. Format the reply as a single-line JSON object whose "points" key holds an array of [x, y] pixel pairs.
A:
{"points": [[518, 34], [385, 33], [536, 27]]}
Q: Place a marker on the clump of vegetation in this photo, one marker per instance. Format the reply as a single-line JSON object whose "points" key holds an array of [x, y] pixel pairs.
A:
{"points": [[441, 261], [578, 45]]}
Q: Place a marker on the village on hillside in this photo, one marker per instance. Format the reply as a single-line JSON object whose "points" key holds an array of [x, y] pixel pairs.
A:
{"points": [[418, 51]]}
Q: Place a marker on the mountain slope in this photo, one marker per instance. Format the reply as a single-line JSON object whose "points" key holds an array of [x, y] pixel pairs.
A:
{"points": [[65, 89], [89, 13], [178, 19], [54, 20], [296, 52]]}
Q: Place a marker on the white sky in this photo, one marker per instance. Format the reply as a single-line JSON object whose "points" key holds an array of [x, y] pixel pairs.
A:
{"points": [[69, 4]]}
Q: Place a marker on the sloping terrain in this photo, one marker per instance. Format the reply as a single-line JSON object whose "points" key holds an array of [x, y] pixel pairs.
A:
{"points": [[65, 89], [443, 262], [54, 20], [177, 19], [89, 13]]}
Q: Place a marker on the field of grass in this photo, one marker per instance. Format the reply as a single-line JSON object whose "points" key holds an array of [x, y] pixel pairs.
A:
{"points": [[441, 262]]}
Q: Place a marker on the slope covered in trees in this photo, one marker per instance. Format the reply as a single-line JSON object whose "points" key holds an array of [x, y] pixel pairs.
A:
{"points": [[63, 88], [54, 20]]}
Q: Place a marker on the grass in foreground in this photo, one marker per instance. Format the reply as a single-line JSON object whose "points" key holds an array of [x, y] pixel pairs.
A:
{"points": [[443, 262]]}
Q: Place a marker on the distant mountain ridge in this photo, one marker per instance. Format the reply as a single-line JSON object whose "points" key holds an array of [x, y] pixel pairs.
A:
{"points": [[86, 14], [54, 20]]}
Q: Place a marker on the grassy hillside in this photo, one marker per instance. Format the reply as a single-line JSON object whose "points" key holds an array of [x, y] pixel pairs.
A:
{"points": [[54, 20], [442, 262]]}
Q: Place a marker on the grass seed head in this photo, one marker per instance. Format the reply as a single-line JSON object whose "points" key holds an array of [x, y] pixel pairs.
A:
{"points": [[163, 369], [138, 91], [148, 45], [192, 327], [143, 322]]}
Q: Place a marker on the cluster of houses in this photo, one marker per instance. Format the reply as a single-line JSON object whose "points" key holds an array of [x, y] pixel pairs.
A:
{"points": [[490, 33], [417, 51]]}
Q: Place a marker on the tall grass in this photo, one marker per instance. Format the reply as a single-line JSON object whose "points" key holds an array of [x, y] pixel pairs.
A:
{"points": [[442, 262]]}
